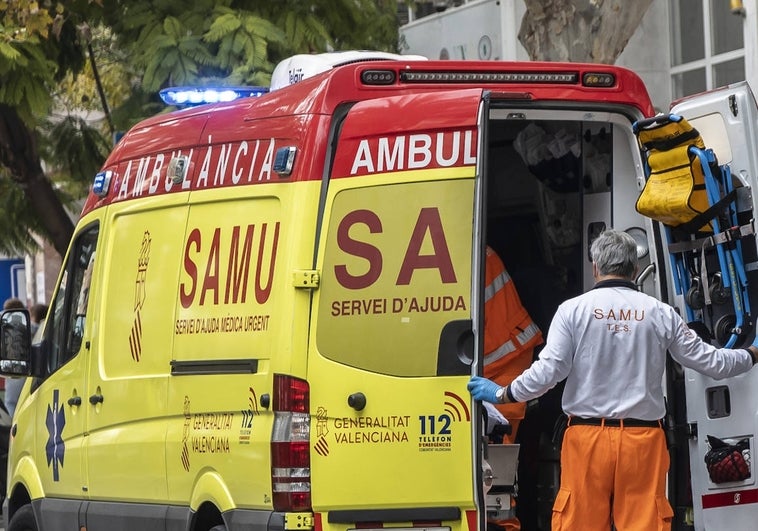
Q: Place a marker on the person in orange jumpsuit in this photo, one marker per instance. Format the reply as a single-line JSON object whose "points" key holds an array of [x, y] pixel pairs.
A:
{"points": [[510, 337]]}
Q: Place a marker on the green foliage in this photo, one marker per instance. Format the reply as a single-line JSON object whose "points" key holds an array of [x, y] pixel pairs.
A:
{"points": [[138, 105], [9, 53], [139, 47], [78, 151], [25, 19], [17, 219], [25, 77], [65, 48], [377, 20], [306, 33], [78, 91], [175, 56], [240, 40]]}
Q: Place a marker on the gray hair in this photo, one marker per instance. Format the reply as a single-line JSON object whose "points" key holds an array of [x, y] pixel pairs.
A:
{"points": [[615, 253]]}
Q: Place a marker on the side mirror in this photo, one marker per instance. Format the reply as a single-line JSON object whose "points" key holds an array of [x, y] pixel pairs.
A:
{"points": [[15, 343]]}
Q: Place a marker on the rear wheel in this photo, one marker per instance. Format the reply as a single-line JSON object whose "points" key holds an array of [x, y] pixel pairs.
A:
{"points": [[23, 520]]}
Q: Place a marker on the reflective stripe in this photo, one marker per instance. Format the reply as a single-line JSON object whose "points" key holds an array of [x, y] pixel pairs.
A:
{"points": [[528, 333], [496, 285], [503, 350]]}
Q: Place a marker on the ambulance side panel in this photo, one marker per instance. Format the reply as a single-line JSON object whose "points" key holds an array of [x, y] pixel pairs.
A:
{"points": [[727, 119], [240, 314], [390, 355], [108, 353], [131, 358], [131, 352]]}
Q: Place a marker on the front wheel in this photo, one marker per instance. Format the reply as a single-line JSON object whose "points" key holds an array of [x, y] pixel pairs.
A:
{"points": [[23, 520]]}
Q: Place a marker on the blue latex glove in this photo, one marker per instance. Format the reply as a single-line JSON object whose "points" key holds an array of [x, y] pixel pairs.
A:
{"points": [[483, 389]]}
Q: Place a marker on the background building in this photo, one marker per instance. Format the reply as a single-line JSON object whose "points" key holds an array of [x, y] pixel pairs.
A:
{"points": [[12, 278], [42, 270], [681, 47]]}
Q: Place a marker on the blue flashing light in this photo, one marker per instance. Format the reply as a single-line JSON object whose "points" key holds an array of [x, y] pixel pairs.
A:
{"points": [[102, 183], [183, 96]]}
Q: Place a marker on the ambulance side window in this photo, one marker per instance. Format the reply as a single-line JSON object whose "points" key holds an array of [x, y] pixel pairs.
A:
{"points": [[70, 305]]}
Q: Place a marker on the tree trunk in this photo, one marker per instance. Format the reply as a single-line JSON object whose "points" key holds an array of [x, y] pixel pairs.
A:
{"points": [[589, 31], [18, 153]]}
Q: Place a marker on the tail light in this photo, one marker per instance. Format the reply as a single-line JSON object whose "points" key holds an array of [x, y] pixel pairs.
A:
{"points": [[290, 445]]}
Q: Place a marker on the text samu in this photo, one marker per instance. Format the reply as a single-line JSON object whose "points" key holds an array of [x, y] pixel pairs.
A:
{"points": [[619, 314]]}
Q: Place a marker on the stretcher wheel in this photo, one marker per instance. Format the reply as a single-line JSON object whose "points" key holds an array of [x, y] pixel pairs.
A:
{"points": [[724, 328], [720, 294], [694, 298]]}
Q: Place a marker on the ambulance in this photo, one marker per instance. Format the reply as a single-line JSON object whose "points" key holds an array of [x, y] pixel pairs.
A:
{"points": [[271, 307]]}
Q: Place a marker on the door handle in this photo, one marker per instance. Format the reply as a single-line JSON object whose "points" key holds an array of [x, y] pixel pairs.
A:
{"points": [[640, 280], [75, 401], [94, 399]]}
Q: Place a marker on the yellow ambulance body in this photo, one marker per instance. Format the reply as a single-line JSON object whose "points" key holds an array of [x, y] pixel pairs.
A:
{"points": [[271, 307]]}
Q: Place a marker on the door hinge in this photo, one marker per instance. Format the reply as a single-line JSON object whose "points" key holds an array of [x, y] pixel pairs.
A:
{"points": [[298, 521], [305, 279]]}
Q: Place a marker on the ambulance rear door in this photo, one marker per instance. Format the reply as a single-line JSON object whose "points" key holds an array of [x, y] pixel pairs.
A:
{"points": [[727, 119], [391, 346]]}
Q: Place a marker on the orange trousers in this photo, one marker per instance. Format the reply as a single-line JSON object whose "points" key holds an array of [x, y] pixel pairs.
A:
{"points": [[613, 474]]}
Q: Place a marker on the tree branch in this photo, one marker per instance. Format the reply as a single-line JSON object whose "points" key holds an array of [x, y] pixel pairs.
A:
{"points": [[19, 154]]}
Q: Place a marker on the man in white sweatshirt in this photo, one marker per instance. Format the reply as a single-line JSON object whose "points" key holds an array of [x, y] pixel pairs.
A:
{"points": [[610, 345]]}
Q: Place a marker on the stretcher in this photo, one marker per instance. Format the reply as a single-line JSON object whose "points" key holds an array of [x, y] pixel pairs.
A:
{"points": [[500, 466], [693, 196]]}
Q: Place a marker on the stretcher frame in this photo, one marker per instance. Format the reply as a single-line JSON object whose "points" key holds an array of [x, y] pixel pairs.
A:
{"points": [[689, 246]]}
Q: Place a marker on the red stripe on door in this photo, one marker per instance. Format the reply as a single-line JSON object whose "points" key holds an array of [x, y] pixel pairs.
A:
{"points": [[729, 499]]}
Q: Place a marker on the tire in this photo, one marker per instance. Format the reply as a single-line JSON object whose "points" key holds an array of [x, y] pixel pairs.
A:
{"points": [[23, 520]]}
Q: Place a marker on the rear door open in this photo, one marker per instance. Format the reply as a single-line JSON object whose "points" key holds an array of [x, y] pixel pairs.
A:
{"points": [[727, 120], [391, 344]]}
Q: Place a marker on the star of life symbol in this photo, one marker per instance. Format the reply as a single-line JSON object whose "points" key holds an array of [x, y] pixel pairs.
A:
{"points": [[55, 421]]}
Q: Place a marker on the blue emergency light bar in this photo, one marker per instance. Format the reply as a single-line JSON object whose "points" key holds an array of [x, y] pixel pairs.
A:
{"points": [[197, 96]]}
